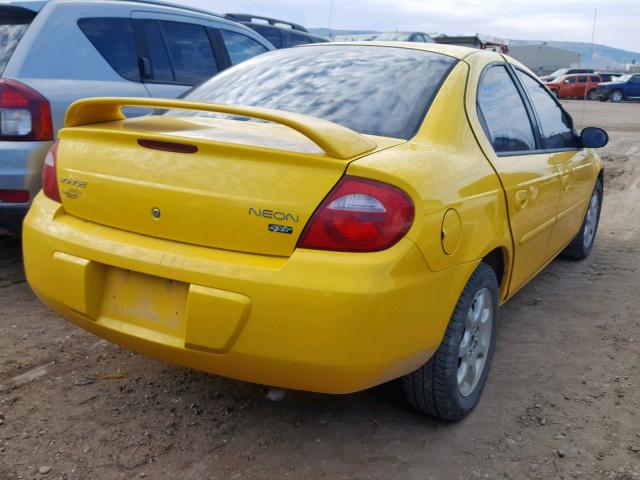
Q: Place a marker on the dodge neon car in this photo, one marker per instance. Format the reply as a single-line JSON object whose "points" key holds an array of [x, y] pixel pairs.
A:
{"points": [[324, 218]]}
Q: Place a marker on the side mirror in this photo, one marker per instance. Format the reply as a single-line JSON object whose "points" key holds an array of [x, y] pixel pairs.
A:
{"points": [[567, 81], [592, 137]]}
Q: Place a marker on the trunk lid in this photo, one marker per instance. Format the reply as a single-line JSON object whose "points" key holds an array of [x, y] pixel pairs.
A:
{"points": [[250, 186]]}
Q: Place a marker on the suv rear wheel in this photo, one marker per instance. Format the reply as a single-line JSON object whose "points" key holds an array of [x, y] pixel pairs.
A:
{"points": [[449, 385]]}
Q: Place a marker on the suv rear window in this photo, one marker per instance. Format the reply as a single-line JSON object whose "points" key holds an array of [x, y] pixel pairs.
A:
{"points": [[115, 41], [382, 91], [14, 22]]}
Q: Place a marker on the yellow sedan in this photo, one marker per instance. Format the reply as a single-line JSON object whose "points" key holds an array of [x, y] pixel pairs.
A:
{"points": [[324, 218]]}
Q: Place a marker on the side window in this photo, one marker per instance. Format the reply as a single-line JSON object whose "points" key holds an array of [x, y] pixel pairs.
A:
{"points": [[555, 124], [190, 51], [155, 51], [240, 47], [113, 38], [273, 35], [502, 109], [582, 79], [297, 39], [570, 80]]}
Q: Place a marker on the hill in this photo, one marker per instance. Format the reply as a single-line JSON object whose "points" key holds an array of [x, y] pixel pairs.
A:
{"points": [[603, 56]]}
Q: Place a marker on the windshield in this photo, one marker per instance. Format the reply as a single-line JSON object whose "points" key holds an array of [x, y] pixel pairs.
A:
{"points": [[558, 73], [13, 23], [371, 89]]}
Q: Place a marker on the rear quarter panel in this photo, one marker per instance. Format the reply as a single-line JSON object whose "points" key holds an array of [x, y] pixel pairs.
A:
{"points": [[444, 170]]}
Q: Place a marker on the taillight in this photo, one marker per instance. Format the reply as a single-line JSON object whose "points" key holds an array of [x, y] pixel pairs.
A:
{"points": [[50, 176], [359, 215], [14, 196], [24, 113]]}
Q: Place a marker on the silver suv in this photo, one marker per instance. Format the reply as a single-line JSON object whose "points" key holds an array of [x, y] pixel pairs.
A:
{"points": [[53, 53]]}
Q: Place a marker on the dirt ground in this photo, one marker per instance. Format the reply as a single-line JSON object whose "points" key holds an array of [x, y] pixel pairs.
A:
{"points": [[562, 401]]}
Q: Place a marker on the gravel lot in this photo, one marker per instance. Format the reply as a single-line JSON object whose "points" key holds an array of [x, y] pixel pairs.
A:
{"points": [[562, 401]]}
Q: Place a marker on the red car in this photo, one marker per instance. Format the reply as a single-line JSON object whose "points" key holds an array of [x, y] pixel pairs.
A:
{"points": [[579, 85]]}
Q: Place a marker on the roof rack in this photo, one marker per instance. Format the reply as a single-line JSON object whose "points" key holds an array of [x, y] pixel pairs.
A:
{"points": [[162, 3], [247, 17]]}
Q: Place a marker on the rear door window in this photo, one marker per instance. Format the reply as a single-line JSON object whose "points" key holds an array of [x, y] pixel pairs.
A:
{"points": [[503, 112], [114, 39], [154, 53], [190, 51], [555, 124], [240, 47], [13, 23], [582, 79]]}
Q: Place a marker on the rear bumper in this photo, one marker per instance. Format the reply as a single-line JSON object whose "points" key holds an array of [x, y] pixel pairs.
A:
{"points": [[318, 321], [20, 169]]}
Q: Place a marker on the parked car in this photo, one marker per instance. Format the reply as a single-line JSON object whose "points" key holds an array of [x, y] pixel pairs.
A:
{"points": [[626, 87], [365, 227], [280, 33], [609, 77], [565, 71], [55, 52], [581, 86], [419, 37]]}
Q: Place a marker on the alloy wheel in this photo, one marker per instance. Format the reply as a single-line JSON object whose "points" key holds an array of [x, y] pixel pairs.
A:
{"points": [[475, 342]]}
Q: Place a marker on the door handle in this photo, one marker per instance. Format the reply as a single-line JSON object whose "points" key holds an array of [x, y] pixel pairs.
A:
{"points": [[522, 198]]}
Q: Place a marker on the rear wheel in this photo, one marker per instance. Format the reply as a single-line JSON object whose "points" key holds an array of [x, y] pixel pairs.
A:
{"points": [[449, 385], [616, 96], [592, 95], [581, 245]]}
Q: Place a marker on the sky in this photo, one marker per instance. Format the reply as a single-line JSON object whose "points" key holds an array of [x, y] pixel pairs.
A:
{"points": [[568, 20]]}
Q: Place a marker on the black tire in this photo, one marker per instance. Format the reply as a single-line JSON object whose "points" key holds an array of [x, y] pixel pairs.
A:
{"points": [[616, 96], [433, 388], [579, 248], [592, 95]]}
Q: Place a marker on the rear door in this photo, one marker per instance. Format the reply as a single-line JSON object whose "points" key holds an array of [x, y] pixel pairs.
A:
{"points": [[531, 182], [176, 52], [581, 85], [576, 166]]}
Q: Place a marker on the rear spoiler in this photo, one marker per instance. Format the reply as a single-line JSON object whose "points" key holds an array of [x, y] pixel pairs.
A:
{"points": [[336, 141]]}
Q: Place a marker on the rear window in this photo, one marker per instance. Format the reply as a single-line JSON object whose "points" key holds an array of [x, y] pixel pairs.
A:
{"points": [[273, 35], [13, 23], [115, 41], [297, 39], [373, 90]]}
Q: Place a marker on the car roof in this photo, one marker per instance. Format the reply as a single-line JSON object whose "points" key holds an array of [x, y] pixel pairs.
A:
{"points": [[444, 49], [38, 4], [580, 74]]}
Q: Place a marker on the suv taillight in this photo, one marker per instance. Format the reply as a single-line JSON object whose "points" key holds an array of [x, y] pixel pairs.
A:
{"points": [[359, 215], [25, 115], [50, 176]]}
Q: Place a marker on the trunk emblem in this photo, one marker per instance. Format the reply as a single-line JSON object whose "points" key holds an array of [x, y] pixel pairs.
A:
{"points": [[155, 212]]}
